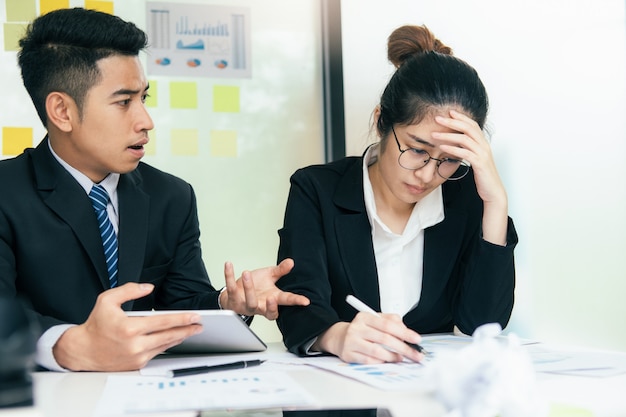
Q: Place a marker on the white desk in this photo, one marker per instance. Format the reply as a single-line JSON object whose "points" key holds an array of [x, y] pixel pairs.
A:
{"points": [[76, 394]]}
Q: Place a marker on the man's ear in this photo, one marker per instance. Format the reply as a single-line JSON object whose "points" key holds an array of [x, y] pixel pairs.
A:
{"points": [[61, 111]]}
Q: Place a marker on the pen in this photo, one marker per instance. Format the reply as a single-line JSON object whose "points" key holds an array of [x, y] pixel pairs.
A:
{"points": [[213, 368], [361, 306]]}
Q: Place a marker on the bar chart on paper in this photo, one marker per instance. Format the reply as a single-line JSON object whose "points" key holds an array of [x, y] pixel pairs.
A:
{"points": [[139, 394], [404, 376], [199, 40], [187, 25]]}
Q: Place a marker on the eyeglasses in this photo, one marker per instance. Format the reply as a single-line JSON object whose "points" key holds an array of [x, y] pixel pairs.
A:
{"points": [[414, 159]]}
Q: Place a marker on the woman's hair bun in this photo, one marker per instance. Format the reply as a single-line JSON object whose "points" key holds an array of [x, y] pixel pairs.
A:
{"points": [[409, 40]]}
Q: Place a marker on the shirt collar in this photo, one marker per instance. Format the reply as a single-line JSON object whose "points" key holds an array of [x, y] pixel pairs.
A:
{"points": [[109, 183]]}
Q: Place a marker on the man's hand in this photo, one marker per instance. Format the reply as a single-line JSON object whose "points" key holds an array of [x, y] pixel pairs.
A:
{"points": [[111, 341], [255, 292]]}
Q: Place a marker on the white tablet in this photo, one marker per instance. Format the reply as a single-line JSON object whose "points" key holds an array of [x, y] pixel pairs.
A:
{"points": [[223, 332]]}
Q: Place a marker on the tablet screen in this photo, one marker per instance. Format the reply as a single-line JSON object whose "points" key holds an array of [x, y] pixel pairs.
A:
{"points": [[223, 332]]}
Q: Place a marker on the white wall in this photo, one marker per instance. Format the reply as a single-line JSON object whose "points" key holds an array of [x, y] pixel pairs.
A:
{"points": [[555, 71]]}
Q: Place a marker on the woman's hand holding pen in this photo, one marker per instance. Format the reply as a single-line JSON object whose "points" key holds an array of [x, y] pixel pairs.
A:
{"points": [[468, 142], [370, 339]]}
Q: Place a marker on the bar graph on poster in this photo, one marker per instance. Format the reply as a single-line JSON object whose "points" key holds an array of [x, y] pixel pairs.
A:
{"points": [[198, 40]]}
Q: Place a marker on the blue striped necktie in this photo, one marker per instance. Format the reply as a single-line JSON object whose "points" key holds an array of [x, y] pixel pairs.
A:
{"points": [[99, 200]]}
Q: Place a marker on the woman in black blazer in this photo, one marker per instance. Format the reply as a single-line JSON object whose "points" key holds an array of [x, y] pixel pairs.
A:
{"points": [[417, 228]]}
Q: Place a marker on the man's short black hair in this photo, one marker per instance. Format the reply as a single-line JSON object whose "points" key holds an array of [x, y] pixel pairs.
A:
{"points": [[60, 52]]}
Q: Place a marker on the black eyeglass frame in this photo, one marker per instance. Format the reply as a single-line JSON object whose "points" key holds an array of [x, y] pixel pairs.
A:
{"points": [[439, 161]]}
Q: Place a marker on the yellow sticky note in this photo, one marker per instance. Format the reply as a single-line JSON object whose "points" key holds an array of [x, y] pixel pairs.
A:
{"points": [[223, 143], [13, 32], [152, 99], [183, 95], [21, 10], [226, 99], [184, 142], [102, 6], [16, 139], [150, 147], [46, 6], [562, 410]]}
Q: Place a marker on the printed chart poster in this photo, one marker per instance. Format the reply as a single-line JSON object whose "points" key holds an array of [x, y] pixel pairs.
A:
{"points": [[195, 40]]}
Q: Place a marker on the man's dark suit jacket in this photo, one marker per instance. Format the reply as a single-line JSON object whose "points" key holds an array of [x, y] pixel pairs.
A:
{"points": [[50, 247], [466, 280]]}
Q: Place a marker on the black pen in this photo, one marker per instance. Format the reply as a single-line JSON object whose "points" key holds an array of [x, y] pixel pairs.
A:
{"points": [[361, 306], [213, 368]]}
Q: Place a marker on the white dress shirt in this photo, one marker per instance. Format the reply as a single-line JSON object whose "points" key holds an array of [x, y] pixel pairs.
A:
{"points": [[400, 257]]}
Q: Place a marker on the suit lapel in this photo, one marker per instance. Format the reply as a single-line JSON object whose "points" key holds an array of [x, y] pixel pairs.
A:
{"points": [[354, 236], [64, 196], [442, 244], [134, 204]]}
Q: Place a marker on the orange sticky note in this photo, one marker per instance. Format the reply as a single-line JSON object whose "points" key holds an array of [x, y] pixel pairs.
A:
{"points": [[16, 139], [102, 6], [46, 6]]}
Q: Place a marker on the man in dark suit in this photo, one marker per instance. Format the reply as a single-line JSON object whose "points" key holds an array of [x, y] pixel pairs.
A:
{"points": [[79, 268]]}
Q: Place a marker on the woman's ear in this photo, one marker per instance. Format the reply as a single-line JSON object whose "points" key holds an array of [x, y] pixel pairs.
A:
{"points": [[375, 119], [376, 115], [61, 111]]}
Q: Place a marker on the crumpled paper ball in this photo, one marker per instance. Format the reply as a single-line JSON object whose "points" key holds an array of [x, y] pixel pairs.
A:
{"points": [[491, 377]]}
